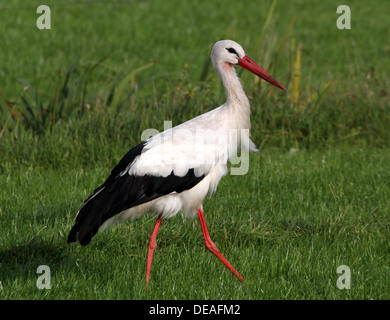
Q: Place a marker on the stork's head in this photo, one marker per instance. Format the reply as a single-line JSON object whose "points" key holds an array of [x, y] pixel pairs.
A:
{"points": [[231, 53]]}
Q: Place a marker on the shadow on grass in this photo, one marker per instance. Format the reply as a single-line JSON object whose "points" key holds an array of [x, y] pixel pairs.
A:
{"points": [[20, 260]]}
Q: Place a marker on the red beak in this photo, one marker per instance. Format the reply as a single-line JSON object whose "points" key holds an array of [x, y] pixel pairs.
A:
{"points": [[250, 65]]}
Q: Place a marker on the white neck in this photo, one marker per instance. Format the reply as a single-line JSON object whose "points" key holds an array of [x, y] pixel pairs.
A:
{"points": [[236, 101], [234, 92]]}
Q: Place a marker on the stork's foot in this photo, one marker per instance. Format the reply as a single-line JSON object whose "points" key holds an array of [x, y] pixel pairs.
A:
{"points": [[212, 247]]}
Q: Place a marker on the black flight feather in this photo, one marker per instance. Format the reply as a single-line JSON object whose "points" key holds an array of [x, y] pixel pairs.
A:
{"points": [[122, 192]]}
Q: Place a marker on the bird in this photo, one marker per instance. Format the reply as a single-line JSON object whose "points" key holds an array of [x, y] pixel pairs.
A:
{"points": [[174, 170]]}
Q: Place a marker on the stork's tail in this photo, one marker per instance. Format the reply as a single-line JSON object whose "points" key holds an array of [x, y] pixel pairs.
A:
{"points": [[73, 234], [89, 219], [106, 201]]}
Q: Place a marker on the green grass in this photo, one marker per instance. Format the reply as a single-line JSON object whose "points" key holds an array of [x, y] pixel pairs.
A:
{"points": [[75, 98], [294, 220]]}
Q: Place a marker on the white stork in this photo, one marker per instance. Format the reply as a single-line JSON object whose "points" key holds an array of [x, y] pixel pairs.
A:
{"points": [[175, 169]]}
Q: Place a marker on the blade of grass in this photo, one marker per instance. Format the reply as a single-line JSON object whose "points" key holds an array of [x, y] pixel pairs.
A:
{"points": [[266, 25], [296, 77], [127, 84]]}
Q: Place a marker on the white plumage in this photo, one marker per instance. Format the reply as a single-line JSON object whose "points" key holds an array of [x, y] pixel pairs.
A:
{"points": [[175, 169], [202, 143]]}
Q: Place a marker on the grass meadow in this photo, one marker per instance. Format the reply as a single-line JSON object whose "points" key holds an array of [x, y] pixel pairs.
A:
{"points": [[74, 99]]}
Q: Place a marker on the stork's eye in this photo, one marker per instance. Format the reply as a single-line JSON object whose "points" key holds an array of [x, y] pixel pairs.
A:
{"points": [[231, 50]]}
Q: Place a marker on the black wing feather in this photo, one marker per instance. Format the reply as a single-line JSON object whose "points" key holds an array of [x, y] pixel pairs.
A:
{"points": [[122, 192]]}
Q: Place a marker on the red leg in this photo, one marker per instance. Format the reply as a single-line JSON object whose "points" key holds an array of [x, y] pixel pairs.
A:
{"points": [[151, 246], [212, 247]]}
